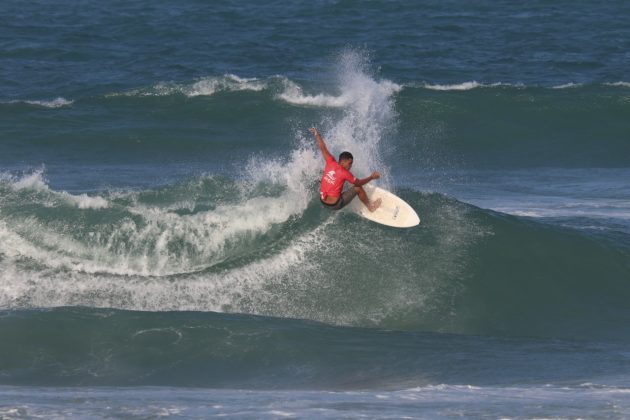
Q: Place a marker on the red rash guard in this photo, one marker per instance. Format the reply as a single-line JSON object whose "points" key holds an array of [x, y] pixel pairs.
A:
{"points": [[334, 177]]}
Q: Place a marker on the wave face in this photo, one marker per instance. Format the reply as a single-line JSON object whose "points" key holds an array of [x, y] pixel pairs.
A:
{"points": [[251, 238], [268, 248], [518, 126]]}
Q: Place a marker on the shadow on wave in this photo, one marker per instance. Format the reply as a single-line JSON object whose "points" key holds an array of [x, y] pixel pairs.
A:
{"points": [[88, 347]]}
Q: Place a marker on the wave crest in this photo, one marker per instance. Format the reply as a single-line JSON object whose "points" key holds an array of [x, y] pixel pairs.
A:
{"points": [[207, 86], [58, 102]]}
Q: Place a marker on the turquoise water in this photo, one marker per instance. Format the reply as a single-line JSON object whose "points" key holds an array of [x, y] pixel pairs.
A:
{"points": [[163, 251]]}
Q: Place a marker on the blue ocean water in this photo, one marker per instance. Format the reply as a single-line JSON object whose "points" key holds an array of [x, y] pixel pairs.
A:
{"points": [[163, 251]]}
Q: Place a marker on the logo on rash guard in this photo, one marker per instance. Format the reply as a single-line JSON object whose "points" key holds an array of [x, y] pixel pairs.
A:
{"points": [[330, 177]]}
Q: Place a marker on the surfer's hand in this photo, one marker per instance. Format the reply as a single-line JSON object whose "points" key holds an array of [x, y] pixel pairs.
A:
{"points": [[314, 131], [375, 175]]}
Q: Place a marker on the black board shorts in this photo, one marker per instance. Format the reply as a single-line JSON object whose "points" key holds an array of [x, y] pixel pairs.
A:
{"points": [[345, 198]]}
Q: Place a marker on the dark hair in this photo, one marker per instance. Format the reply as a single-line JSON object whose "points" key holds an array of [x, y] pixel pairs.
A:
{"points": [[345, 155]]}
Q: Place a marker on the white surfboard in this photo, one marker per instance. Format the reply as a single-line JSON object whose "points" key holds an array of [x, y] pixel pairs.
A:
{"points": [[393, 211]]}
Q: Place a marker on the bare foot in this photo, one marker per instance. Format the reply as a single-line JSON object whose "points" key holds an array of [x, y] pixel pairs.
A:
{"points": [[374, 205]]}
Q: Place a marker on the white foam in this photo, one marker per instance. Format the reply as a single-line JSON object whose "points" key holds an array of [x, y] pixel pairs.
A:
{"points": [[58, 102], [293, 94], [161, 242], [350, 95], [469, 86], [569, 85], [619, 84], [282, 413], [477, 85], [35, 181], [206, 86], [84, 201], [460, 86], [229, 82], [241, 289]]}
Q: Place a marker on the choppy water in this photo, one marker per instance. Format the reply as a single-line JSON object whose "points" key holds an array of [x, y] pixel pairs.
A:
{"points": [[163, 251]]}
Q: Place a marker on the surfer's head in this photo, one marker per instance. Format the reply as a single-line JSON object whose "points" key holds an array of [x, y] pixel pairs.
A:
{"points": [[345, 160]]}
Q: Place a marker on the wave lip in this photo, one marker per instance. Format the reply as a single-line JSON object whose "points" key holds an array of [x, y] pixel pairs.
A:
{"points": [[294, 94], [58, 102], [206, 86], [229, 82], [36, 182], [569, 85], [619, 84], [460, 86], [470, 85]]}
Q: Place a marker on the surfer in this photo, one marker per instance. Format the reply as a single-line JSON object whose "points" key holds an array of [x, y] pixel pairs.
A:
{"points": [[336, 174]]}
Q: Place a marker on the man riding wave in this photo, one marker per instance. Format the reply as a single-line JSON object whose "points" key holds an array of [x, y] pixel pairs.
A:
{"points": [[336, 174]]}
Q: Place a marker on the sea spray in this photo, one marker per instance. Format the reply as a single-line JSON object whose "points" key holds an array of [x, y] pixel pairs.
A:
{"points": [[368, 118]]}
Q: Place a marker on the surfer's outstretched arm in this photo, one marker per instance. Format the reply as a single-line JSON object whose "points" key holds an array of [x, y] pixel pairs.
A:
{"points": [[362, 182], [320, 143]]}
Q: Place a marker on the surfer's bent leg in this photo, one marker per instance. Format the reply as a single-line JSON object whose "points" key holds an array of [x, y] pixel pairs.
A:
{"points": [[365, 200], [362, 196], [337, 205], [347, 196]]}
